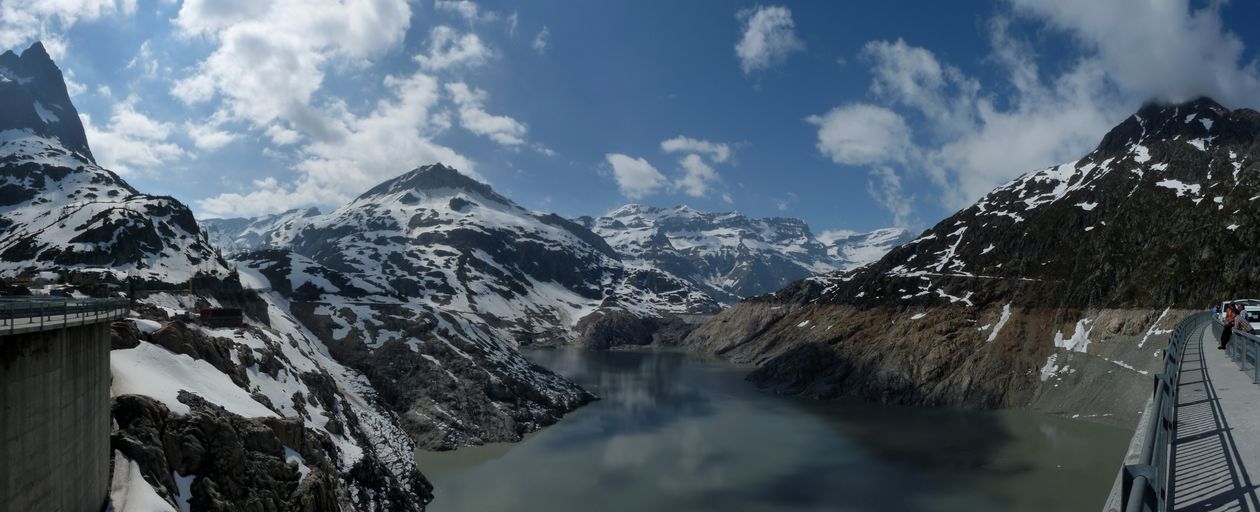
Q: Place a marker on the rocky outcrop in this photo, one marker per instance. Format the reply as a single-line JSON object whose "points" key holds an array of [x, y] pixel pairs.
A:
{"points": [[448, 387], [235, 463], [948, 355], [610, 328]]}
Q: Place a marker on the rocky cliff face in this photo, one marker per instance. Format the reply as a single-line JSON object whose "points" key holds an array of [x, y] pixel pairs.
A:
{"points": [[1003, 303], [254, 417], [33, 99], [447, 378], [729, 255]]}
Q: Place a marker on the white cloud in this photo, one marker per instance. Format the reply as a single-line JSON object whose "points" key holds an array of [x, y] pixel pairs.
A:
{"points": [[24, 21], [699, 175], [271, 56], [448, 49], [885, 186], [465, 9], [334, 170], [144, 61], [208, 136], [784, 203], [541, 41], [635, 176], [268, 69], [769, 37], [862, 134], [73, 88], [281, 135], [131, 141], [913, 77], [474, 118], [717, 152], [1164, 50]]}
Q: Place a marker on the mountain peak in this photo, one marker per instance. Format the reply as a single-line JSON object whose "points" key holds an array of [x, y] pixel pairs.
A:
{"points": [[1199, 118], [33, 98], [433, 177], [36, 53]]}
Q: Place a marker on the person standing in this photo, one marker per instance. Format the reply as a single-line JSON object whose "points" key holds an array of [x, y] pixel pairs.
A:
{"points": [[1228, 331], [1240, 322]]}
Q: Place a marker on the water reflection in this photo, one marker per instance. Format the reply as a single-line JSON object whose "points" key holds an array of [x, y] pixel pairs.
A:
{"points": [[675, 433]]}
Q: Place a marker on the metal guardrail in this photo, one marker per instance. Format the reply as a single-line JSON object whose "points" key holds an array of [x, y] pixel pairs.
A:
{"points": [[1243, 349], [1145, 484], [27, 314]]}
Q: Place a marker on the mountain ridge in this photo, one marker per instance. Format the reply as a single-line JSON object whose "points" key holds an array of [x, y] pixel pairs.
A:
{"points": [[986, 308]]}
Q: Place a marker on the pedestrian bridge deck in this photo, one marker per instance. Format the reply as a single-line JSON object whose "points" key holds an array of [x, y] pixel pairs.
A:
{"points": [[1216, 440]]}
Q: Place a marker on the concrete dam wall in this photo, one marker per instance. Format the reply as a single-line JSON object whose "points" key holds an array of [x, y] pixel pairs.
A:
{"points": [[54, 419]]}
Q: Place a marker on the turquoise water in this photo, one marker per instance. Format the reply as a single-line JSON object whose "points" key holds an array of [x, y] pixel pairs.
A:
{"points": [[673, 432]]}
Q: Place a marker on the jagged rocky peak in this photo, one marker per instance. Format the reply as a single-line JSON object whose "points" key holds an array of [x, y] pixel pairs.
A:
{"points": [[33, 98], [1198, 119]]}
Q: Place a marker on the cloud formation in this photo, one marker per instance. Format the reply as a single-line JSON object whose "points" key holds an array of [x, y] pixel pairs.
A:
{"points": [[449, 49], [474, 118], [769, 36], [862, 134], [131, 142], [635, 177], [24, 21], [541, 41], [718, 152]]}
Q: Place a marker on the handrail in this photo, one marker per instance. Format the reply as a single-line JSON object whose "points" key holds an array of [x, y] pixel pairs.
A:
{"points": [[1145, 484], [22, 314], [1243, 348]]}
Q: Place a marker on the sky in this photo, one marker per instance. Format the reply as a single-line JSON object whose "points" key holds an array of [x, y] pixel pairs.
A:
{"points": [[849, 115]]}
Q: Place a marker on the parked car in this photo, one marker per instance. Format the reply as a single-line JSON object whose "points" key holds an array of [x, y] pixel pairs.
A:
{"points": [[1251, 310]]}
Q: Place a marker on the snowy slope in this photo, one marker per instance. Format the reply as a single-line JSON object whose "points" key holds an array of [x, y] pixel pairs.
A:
{"points": [[444, 373], [729, 255], [59, 210], [271, 368], [245, 234], [851, 249]]}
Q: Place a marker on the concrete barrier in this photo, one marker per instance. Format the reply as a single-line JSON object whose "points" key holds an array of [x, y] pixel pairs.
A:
{"points": [[55, 419]]}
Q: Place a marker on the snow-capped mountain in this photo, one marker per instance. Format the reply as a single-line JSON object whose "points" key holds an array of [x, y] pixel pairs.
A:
{"points": [[435, 277], [245, 234], [59, 210], [730, 255], [439, 238], [1046, 292]]}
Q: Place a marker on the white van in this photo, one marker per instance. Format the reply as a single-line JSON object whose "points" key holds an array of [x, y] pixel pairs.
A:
{"points": [[1251, 310]]}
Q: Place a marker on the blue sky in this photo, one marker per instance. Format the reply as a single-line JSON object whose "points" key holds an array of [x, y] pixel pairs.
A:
{"points": [[851, 115]]}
